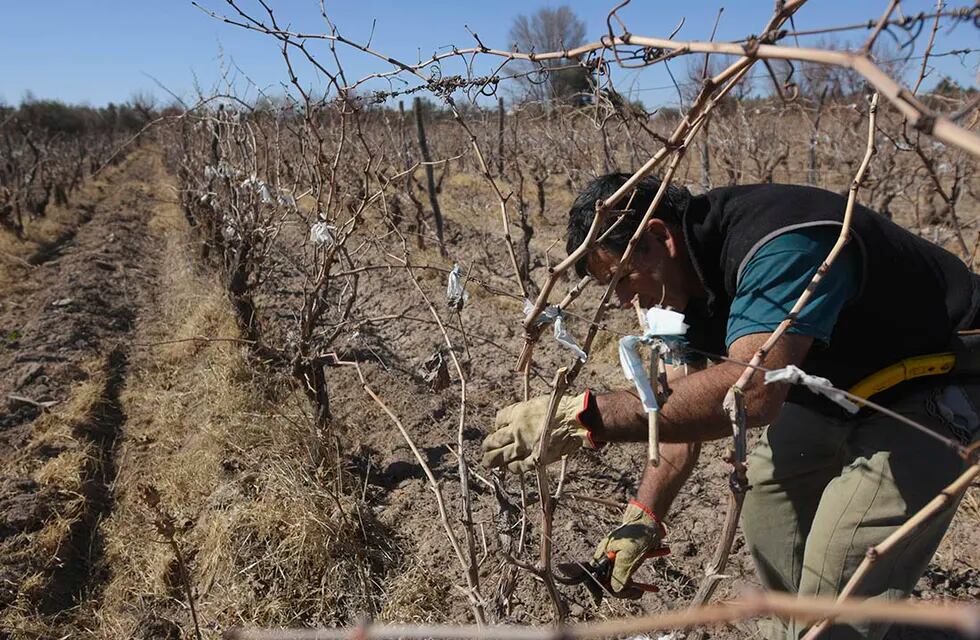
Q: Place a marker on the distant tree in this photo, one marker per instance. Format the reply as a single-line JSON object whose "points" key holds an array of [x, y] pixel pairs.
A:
{"points": [[952, 89], [551, 30], [172, 109], [145, 104], [55, 117], [269, 104]]}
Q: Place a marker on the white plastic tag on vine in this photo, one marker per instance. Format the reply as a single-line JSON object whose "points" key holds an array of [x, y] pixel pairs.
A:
{"points": [[264, 193], [553, 315], [816, 384], [321, 234], [545, 317], [229, 232], [635, 372], [222, 170], [662, 324], [456, 294], [564, 338], [665, 322]]}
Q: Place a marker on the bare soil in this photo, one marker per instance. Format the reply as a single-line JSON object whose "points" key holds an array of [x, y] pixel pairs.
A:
{"points": [[65, 351], [107, 386]]}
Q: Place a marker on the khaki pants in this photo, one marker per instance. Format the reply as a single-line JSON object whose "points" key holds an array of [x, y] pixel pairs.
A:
{"points": [[824, 490]]}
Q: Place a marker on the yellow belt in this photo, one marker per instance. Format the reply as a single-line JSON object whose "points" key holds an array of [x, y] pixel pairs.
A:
{"points": [[932, 364]]}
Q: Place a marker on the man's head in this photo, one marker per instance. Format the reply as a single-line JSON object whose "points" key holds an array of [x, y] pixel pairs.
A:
{"points": [[660, 269]]}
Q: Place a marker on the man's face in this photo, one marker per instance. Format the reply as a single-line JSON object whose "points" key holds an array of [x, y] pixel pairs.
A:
{"points": [[654, 273]]}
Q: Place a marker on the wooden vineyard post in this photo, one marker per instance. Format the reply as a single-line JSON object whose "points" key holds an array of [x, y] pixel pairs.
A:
{"points": [[402, 135], [500, 135], [429, 173]]}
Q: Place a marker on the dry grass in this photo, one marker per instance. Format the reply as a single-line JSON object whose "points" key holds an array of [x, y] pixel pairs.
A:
{"points": [[61, 460], [971, 504], [419, 596], [269, 537]]}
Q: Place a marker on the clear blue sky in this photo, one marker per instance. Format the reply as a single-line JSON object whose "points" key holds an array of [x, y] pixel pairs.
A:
{"points": [[97, 51]]}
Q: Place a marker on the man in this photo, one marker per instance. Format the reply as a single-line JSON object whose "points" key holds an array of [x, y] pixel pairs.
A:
{"points": [[825, 485]]}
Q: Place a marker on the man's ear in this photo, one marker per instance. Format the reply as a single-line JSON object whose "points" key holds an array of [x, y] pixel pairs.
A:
{"points": [[660, 233]]}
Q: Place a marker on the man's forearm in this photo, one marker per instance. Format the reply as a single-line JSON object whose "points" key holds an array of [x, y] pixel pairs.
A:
{"points": [[693, 413], [661, 484]]}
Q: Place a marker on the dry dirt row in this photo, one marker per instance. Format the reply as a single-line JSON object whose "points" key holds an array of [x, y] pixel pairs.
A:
{"points": [[122, 370], [66, 326], [70, 305]]}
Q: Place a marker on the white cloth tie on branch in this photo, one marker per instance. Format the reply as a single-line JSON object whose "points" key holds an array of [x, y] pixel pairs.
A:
{"points": [[664, 331], [456, 294], [267, 194], [229, 232], [221, 170], [553, 315], [816, 384], [259, 187], [566, 339], [321, 234]]}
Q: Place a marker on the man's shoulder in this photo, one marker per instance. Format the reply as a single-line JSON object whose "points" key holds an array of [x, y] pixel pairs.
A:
{"points": [[770, 190], [766, 207]]}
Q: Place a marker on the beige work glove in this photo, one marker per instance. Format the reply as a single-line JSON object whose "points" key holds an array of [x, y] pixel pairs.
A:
{"points": [[632, 542], [518, 428]]}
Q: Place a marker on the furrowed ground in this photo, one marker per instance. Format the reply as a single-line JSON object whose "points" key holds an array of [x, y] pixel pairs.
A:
{"points": [[123, 373]]}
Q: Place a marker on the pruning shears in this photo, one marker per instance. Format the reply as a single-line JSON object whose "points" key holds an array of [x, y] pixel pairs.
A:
{"points": [[597, 574]]}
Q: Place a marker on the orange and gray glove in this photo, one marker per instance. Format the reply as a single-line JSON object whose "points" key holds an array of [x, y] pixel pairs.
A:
{"points": [[518, 429], [629, 544]]}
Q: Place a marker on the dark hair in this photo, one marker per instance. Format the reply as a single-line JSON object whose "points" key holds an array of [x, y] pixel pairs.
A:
{"points": [[582, 213]]}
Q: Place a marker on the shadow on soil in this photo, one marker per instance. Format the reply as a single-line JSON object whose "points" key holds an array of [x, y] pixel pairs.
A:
{"points": [[79, 571]]}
